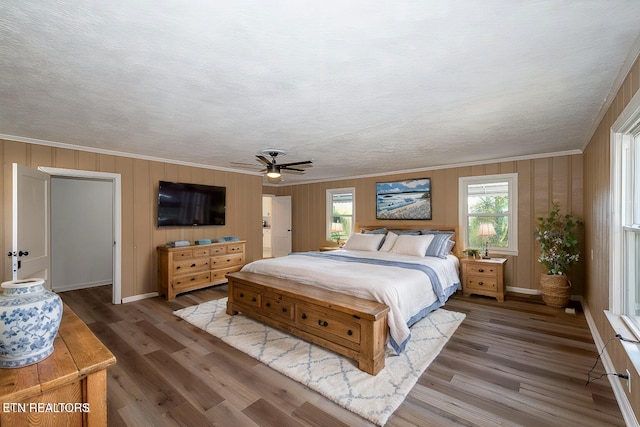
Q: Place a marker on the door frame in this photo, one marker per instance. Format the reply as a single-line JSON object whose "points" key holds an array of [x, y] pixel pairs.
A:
{"points": [[116, 181]]}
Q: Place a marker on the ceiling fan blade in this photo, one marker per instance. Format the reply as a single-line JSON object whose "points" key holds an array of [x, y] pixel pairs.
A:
{"points": [[306, 162], [264, 160], [290, 169]]}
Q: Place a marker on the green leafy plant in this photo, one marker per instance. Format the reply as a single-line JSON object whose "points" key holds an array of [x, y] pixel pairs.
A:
{"points": [[559, 247], [472, 252]]}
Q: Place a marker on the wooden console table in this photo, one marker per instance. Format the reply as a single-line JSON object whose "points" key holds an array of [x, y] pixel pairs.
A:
{"points": [[67, 388]]}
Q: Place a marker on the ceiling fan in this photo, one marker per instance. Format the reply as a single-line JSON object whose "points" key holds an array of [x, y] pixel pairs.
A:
{"points": [[274, 169]]}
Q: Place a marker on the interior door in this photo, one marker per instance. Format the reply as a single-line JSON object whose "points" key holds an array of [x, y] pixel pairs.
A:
{"points": [[30, 224], [281, 226]]}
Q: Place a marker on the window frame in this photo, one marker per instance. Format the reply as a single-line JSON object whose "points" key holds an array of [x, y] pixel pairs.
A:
{"points": [[625, 210], [512, 216], [329, 208]]}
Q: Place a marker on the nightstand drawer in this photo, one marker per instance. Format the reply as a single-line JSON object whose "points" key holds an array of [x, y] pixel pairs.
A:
{"points": [[482, 282], [481, 269]]}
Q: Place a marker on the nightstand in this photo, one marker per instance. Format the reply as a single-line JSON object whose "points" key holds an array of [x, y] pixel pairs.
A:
{"points": [[483, 277]]}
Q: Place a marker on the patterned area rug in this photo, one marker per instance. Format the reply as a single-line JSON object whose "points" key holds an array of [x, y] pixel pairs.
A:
{"points": [[336, 377]]}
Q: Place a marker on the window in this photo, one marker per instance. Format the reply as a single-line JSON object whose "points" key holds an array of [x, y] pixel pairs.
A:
{"points": [[341, 212], [489, 203], [625, 221]]}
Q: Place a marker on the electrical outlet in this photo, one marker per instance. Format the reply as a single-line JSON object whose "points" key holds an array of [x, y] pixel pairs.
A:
{"points": [[628, 380]]}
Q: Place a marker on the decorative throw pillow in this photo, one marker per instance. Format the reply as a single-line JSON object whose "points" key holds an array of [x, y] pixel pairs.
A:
{"points": [[389, 241], [439, 246], [407, 244], [364, 242]]}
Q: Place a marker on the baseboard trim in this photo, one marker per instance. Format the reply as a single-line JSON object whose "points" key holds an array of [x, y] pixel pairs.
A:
{"points": [[82, 286], [139, 297], [621, 397]]}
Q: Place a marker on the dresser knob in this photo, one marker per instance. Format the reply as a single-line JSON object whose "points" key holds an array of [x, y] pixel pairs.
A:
{"points": [[304, 316], [323, 323], [253, 299], [268, 304], [481, 270], [349, 332], [284, 309], [241, 295], [480, 283]]}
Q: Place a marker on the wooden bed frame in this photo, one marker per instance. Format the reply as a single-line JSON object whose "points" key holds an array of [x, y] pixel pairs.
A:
{"points": [[351, 326]]}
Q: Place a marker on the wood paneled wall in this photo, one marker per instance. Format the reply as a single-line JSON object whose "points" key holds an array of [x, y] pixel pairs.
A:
{"points": [[540, 182], [597, 183], [140, 236]]}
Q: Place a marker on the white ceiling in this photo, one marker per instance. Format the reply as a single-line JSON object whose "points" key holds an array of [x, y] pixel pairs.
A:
{"points": [[359, 87]]}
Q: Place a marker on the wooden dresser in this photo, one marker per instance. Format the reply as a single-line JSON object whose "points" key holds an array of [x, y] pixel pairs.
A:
{"points": [[68, 388], [483, 277], [186, 268]]}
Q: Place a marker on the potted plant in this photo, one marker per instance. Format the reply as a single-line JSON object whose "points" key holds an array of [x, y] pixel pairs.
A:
{"points": [[472, 253], [559, 250]]}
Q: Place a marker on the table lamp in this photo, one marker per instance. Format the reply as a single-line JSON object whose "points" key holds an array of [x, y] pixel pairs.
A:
{"points": [[486, 230]]}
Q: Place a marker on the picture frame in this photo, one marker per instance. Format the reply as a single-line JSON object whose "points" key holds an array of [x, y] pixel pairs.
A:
{"points": [[408, 199]]}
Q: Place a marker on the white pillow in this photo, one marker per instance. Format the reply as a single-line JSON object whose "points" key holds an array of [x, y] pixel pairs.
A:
{"points": [[411, 245], [364, 242], [389, 241]]}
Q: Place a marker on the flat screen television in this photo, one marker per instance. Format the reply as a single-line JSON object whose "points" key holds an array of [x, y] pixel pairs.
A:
{"points": [[181, 204]]}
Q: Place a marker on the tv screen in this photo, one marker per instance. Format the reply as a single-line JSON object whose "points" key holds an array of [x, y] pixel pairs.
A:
{"points": [[190, 204]]}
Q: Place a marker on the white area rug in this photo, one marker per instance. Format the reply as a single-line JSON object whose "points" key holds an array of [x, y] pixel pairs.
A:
{"points": [[336, 377]]}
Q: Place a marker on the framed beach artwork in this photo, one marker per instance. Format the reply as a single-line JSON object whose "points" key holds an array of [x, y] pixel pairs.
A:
{"points": [[408, 199]]}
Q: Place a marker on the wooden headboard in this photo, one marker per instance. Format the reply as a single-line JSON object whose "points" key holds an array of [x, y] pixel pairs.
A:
{"points": [[457, 249]]}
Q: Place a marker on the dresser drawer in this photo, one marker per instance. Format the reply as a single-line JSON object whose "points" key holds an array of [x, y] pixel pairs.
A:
{"points": [[216, 250], [219, 275], [234, 249], [228, 260], [188, 266], [247, 296], [481, 282], [182, 254], [345, 327], [200, 252], [273, 306], [191, 280]]}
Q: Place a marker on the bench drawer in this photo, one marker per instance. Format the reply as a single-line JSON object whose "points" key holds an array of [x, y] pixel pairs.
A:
{"points": [[329, 323]]}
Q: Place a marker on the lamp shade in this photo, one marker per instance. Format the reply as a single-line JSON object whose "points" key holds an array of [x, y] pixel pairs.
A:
{"points": [[336, 227], [486, 229]]}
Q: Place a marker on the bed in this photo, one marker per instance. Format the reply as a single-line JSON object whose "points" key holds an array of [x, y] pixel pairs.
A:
{"points": [[410, 270]]}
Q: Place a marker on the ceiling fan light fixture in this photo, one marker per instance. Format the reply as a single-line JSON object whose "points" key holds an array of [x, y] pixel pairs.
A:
{"points": [[273, 171]]}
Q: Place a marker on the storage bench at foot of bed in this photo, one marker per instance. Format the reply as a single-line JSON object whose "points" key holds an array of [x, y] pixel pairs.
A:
{"points": [[348, 325]]}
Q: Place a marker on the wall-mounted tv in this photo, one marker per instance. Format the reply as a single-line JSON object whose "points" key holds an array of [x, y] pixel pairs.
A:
{"points": [[181, 204]]}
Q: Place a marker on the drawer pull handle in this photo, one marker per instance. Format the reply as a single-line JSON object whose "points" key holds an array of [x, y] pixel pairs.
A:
{"points": [[304, 316], [323, 323], [480, 283], [349, 332], [193, 265], [253, 299], [193, 278], [481, 270], [268, 304], [284, 309], [178, 268], [241, 295]]}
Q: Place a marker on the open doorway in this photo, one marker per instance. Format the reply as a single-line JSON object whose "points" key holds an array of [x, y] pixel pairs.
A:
{"points": [[81, 182]]}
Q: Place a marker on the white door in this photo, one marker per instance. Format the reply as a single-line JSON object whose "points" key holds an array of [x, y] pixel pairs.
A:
{"points": [[281, 226], [30, 225]]}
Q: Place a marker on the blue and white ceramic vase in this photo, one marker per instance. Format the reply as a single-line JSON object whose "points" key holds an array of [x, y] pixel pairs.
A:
{"points": [[30, 316]]}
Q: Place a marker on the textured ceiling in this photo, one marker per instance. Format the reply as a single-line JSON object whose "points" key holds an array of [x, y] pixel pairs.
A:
{"points": [[360, 87]]}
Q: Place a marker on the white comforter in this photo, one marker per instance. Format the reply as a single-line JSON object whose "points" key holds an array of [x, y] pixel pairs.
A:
{"points": [[407, 292]]}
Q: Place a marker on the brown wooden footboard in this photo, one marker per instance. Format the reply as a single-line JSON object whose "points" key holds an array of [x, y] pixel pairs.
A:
{"points": [[351, 326]]}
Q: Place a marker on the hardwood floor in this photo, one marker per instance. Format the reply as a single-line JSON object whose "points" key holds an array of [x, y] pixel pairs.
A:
{"points": [[512, 363]]}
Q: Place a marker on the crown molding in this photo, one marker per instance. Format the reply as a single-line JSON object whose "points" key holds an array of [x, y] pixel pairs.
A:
{"points": [[122, 154]]}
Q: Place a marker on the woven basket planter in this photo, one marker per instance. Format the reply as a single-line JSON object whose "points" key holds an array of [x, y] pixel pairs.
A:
{"points": [[555, 290]]}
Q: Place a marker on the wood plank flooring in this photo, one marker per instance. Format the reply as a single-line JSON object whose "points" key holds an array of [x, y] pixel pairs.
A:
{"points": [[512, 363]]}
